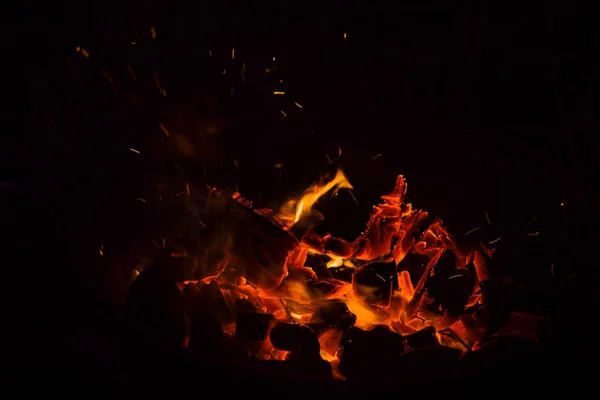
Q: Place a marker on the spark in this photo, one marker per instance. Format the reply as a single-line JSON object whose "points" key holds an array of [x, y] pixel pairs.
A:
{"points": [[164, 92], [495, 240], [278, 92], [339, 151], [532, 234], [101, 252], [179, 194], [177, 165], [201, 223], [210, 53], [532, 221], [153, 32], [552, 269], [281, 81], [236, 188], [157, 83], [134, 150], [69, 60], [345, 36], [132, 42], [352, 194], [140, 199], [187, 188], [273, 58], [298, 105], [376, 156], [455, 276], [224, 71], [85, 53], [156, 244], [107, 76], [233, 54], [283, 113], [380, 277], [562, 204], [278, 165], [474, 230], [102, 246], [328, 159], [162, 127], [132, 73], [488, 218], [163, 243], [237, 166], [77, 48]]}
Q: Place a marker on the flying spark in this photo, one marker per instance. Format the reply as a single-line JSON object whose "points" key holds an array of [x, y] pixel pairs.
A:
{"points": [[488, 218], [474, 230], [376, 156], [345, 36], [273, 58], [157, 83], [352, 194], [85, 53], [132, 42], [134, 150], [153, 32], [283, 113], [298, 105], [162, 127], [278, 92], [233, 54], [532, 234], [140, 199], [132, 73], [107, 76], [210, 53], [495, 240]]}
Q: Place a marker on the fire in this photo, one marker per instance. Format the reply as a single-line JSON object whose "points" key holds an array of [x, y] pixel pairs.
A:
{"points": [[295, 209]]}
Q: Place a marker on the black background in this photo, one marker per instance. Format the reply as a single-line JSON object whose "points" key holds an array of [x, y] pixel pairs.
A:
{"points": [[483, 106]]}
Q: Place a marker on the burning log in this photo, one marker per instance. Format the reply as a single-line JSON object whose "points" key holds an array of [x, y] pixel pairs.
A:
{"points": [[300, 340], [370, 354], [155, 303], [424, 338], [207, 298], [376, 282], [333, 313], [254, 327]]}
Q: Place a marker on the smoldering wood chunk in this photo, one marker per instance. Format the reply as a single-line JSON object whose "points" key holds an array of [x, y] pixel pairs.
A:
{"points": [[451, 293], [299, 339], [370, 354], [254, 326], [437, 359], [205, 334], [155, 303], [415, 264], [376, 282], [243, 306], [207, 298], [342, 273], [504, 353], [321, 288], [422, 339], [333, 313]]}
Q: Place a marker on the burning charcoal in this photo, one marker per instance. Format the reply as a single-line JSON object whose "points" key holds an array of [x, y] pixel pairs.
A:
{"points": [[299, 339], [415, 264], [451, 293], [376, 282], [243, 306], [206, 334], [342, 273], [433, 359], [207, 299], [321, 288], [254, 326], [155, 303], [421, 339], [334, 313], [370, 354]]}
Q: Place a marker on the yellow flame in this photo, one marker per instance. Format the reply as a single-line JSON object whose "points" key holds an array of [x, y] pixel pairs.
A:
{"points": [[335, 262], [310, 196]]}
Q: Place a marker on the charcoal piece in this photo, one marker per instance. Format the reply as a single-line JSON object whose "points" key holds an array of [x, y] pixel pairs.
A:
{"points": [[321, 288], [207, 299], [422, 339], [415, 264], [342, 273], [376, 282], [205, 334], [319, 327], [156, 305], [451, 293], [370, 354], [288, 369], [299, 339], [437, 359], [334, 313], [254, 326], [244, 306]]}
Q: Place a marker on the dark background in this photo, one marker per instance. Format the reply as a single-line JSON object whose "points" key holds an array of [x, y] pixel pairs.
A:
{"points": [[483, 106]]}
